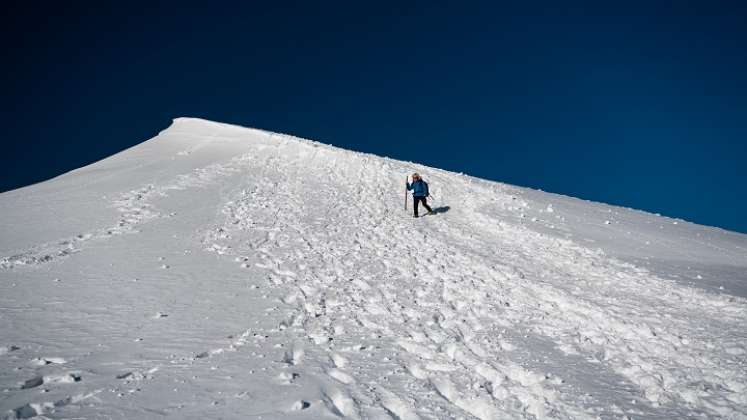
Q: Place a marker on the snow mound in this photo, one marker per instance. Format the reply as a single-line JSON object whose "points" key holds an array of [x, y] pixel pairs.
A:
{"points": [[220, 271]]}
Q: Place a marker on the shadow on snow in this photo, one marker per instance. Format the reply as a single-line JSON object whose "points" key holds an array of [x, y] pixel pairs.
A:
{"points": [[442, 209]]}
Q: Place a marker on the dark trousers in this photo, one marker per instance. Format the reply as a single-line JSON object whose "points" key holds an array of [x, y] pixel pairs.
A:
{"points": [[425, 204]]}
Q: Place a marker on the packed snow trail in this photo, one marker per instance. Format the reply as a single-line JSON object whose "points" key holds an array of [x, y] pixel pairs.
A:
{"points": [[351, 308]]}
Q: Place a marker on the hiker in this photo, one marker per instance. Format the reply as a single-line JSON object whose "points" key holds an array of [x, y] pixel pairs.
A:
{"points": [[419, 193]]}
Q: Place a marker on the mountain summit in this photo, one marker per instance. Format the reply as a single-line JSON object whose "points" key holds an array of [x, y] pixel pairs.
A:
{"points": [[216, 271]]}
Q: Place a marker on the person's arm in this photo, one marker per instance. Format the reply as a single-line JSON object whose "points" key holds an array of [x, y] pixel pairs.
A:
{"points": [[408, 185], [425, 184]]}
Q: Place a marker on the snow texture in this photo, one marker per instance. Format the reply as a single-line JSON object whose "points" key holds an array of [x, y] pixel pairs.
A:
{"points": [[216, 271]]}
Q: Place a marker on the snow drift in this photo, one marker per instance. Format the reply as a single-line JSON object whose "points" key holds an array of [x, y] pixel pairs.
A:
{"points": [[216, 271]]}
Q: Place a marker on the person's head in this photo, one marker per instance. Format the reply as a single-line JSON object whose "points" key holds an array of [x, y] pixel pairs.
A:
{"points": [[416, 176]]}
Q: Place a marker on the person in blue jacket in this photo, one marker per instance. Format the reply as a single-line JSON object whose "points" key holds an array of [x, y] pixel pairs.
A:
{"points": [[419, 193]]}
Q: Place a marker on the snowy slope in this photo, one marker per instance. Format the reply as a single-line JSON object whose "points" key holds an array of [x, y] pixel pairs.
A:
{"points": [[216, 271]]}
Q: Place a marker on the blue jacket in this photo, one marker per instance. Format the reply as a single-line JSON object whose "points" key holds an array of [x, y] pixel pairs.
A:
{"points": [[419, 188]]}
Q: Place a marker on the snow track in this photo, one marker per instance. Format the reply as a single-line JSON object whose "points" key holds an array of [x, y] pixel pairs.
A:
{"points": [[444, 293], [465, 314]]}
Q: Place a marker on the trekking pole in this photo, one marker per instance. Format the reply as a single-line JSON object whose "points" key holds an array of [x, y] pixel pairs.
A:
{"points": [[407, 178]]}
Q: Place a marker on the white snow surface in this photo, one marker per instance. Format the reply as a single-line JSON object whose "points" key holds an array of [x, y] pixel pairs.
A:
{"points": [[216, 271]]}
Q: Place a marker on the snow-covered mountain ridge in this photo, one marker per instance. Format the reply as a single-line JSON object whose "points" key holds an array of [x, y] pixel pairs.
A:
{"points": [[218, 271]]}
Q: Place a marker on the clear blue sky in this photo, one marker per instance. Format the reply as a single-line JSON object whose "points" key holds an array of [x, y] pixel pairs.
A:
{"points": [[640, 104]]}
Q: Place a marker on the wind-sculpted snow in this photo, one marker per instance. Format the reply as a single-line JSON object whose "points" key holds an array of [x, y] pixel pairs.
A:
{"points": [[134, 208], [287, 282]]}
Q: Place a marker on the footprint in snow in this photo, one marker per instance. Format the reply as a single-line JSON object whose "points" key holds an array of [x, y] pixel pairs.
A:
{"points": [[7, 349], [287, 378], [67, 378], [33, 383], [43, 361], [210, 353], [338, 360], [340, 376], [300, 405], [340, 403], [136, 375], [294, 356]]}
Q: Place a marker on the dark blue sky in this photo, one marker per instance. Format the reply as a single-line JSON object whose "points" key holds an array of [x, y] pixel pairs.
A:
{"points": [[641, 104]]}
